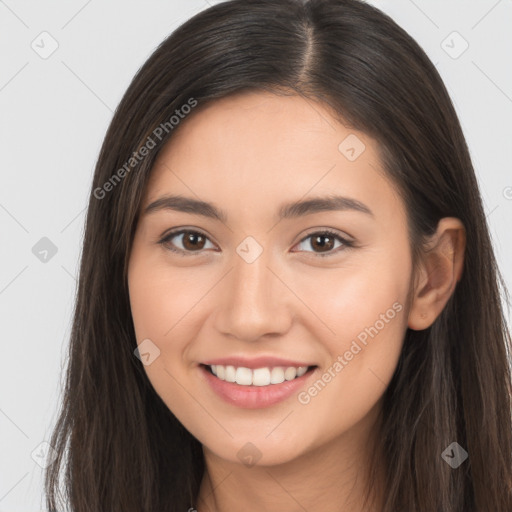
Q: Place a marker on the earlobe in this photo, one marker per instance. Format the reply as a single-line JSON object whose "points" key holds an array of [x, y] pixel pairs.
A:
{"points": [[438, 273]]}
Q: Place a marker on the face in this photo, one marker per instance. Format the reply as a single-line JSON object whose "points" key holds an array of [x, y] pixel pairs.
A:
{"points": [[259, 289]]}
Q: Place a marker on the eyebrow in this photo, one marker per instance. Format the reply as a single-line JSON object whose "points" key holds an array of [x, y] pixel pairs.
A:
{"points": [[286, 211]]}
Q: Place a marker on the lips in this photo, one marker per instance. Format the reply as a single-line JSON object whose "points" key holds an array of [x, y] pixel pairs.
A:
{"points": [[255, 383]]}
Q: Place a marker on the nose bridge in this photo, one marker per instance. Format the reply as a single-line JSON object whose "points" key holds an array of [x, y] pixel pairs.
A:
{"points": [[251, 276], [251, 280], [253, 303]]}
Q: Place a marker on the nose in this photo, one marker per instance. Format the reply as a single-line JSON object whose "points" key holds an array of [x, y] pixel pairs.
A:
{"points": [[253, 301]]}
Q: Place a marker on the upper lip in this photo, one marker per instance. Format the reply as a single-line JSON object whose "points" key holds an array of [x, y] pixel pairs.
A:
{"points": [[256, 362]]}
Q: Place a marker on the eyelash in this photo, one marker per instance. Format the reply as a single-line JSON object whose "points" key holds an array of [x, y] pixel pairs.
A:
{"points": [[169, 236]]}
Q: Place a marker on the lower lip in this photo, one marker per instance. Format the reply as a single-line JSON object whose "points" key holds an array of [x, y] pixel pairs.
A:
{"points": [[254, 397]]}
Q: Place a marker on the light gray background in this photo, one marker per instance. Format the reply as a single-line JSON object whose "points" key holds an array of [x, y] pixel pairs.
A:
{"points": [[54, 113]]}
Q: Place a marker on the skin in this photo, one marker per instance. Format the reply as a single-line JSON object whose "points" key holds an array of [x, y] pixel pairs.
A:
{"points": [[248, 154]]}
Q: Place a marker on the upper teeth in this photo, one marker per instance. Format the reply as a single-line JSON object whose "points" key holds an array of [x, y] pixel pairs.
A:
{"points": [[258, 376]]}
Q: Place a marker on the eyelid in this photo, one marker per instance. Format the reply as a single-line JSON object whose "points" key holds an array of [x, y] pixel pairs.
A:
{"points": [[344, 237]]}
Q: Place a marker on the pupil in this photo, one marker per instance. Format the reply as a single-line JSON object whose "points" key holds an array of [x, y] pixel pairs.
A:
{"points": [[323, 245], [190, 239]]}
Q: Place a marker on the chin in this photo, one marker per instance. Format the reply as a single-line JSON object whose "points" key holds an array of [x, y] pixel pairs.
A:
{"points": [[257, 451]]}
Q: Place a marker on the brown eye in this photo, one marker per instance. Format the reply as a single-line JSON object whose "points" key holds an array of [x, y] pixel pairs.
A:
{"points": [[323, 243], [191, 241]]}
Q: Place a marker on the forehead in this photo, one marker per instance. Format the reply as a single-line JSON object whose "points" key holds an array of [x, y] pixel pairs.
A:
{"points": [[257, 125], [256, 149]]}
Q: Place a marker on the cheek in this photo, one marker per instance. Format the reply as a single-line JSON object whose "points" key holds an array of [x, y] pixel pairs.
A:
{"points": [[158, 299], [164, 304], [365, 306], [163, 298], [354, 296]]}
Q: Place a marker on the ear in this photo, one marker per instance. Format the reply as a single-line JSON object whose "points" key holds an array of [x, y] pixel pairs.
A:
{"points": [[438, 272]]}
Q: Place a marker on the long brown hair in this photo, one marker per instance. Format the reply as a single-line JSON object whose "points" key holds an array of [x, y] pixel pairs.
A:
{"points": [[118, 445]]}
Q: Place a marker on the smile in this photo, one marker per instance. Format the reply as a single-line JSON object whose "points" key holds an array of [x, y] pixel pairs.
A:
{"points": [[257, 387], [258, 376]]}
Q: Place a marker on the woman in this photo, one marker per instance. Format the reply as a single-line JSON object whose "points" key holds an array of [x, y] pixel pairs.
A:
{"points": [[288, 297]]}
